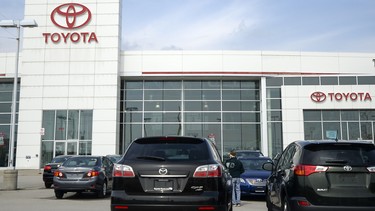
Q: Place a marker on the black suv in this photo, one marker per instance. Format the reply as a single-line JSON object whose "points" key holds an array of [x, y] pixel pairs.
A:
{"points": [[323, 175], [171, 173]]}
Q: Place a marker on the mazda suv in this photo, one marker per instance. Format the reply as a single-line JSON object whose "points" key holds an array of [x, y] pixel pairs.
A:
{"points": [[323, 176], [171, 173]]}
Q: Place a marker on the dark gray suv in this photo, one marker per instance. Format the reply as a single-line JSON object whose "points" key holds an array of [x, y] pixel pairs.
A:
{"points": [[323, 176], [171, 173]]}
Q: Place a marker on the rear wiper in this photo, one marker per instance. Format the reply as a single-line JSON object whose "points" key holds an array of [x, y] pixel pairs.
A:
{"points": [[151, 158], [337, 161]]}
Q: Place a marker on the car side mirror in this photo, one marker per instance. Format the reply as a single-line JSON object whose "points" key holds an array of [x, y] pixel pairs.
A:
{"points": [[268, 166]]}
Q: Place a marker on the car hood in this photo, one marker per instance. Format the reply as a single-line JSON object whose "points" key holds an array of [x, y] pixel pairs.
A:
{"points": [[256, 173]]}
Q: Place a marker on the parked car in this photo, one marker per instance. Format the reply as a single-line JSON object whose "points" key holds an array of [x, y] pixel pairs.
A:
{"points": [[171, 173], [84, 173], [253, 180], [49, 169], [323, 175], [245, 153], [114, 158]]}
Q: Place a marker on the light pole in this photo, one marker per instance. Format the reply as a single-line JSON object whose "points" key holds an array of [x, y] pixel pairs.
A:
{"points": [[15, 24]]}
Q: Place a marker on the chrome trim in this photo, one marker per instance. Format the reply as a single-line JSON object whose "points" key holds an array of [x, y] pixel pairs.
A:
{"points": [[162, 176]]}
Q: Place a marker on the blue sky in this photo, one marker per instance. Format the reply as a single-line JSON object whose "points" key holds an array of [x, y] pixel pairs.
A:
{"points": [[268, 25]]}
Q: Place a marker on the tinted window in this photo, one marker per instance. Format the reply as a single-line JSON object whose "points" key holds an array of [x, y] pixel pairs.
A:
{"points": [[171, 149], [340, 154], [254, 164]]}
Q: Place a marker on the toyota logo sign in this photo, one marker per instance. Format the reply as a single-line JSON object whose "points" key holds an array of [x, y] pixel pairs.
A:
{"points": [[318, 97], [71, 16]]}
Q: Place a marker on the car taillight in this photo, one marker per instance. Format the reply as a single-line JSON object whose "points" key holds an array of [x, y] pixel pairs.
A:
{"points": [[371, 169], [212, 170], [123, 171], [59, 174], [47, 168], [92, 173], [306, 170]]}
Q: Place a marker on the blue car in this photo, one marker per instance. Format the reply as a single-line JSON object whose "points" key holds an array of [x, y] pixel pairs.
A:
{"points": [[253, 180]]}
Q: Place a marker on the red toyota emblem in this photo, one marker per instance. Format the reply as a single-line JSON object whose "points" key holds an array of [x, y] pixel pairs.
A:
{"points": [[71, 16], [318, 97]]}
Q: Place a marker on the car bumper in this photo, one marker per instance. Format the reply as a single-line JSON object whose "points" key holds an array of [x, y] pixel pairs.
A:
{"points": [[207, 201], [253, 190], [296, 207], [48, 177], [77, 185]]}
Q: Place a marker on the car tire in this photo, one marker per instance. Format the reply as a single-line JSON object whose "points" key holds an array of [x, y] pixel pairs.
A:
{"points": [[285, 205], [47, 185], [103, 191], [59, 194]]}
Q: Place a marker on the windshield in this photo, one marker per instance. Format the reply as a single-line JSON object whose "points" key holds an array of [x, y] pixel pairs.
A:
{"points": [[82, 162], [254, 164]]}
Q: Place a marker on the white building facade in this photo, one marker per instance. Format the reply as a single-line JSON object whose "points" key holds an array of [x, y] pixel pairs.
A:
{"points": [[80, 94]]}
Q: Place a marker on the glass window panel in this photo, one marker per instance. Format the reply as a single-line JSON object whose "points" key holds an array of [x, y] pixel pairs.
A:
{"points": [[85, 131], [171, 117], [59, 148], [231, 84], [133, 106], [6, 96], [249, 94], [275, 138], [133, 84], [6, 86], [366, 131], [273, 93], [193, 117], [153, 129], [47, 152], [274, 116], [169, 130], [48, 123], [250, 137], [172, 84], [153, 117], [85, 147], [310, 80], [292, 81], [133, 117], [133, 94], [71, 148], [344, 132], [232, 134], [5, 107], [192, 94], [61, 123], [331, 126], [5, 118], [353, 130], [153, 95], [210, 94], [313, 131], [250, 84], [210, 116], [231, 105], [153, 84], [330, 80], [312, 115], [172, 106], [367, 115], [153, 106], [194, 130], [366, 80], [211, 106], [231, 95], [192, 84], [331, 115], [349, 115], [273, 104], [250, 106], [347, 80], [193, 105], [250, 117], [274, 81], [211, 84], [172, 95], [231, 117], [73, 119], [132, 131]]}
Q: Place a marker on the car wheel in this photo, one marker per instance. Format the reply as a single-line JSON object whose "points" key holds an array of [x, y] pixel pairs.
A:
{"points": [[59, 194], [285, 205], [47, 184], [103, 191]]}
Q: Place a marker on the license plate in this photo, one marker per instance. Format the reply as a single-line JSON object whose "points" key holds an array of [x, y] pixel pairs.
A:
{"points": [[163, 185]]}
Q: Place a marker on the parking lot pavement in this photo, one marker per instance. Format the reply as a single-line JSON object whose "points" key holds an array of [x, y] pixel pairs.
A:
{"points": [[32, 195]]}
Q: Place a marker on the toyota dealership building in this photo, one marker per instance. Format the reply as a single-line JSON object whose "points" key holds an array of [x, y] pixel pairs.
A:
{"points": [[80, 94]]}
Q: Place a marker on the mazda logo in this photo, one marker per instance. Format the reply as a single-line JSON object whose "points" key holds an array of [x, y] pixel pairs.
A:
{"points": [[71, 16], [348, 168], [163, 171], [318, 97]]}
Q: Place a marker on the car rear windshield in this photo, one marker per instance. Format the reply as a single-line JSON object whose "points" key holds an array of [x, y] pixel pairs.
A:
{"points": [[82, 162], [171, 149], [340, 154]]}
